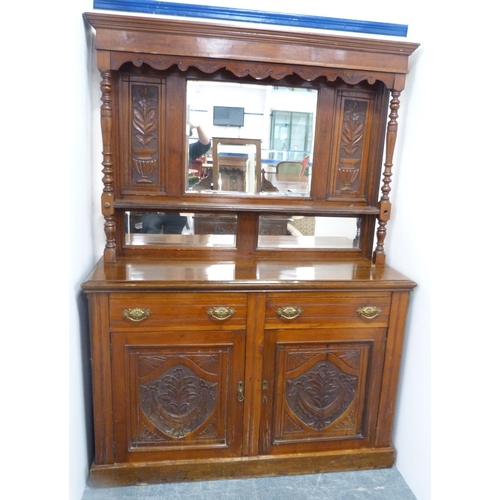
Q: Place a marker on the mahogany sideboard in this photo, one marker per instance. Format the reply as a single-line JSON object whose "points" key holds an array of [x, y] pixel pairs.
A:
{"points": [[238, 352]]}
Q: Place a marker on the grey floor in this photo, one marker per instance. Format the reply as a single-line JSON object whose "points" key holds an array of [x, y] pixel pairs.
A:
{"points": [[383, 484]]}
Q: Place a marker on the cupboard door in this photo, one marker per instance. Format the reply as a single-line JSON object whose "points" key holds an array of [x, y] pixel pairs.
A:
{"points": [[320, 389], [177, 395]]}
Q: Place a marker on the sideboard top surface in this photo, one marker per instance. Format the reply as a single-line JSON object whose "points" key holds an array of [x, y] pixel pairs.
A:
{"points": [[141, 274]]}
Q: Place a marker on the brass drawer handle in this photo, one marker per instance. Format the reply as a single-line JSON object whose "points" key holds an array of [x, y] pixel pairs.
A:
{"points": [[369, 312], [136, 314], [221, 313], [289, 312]]}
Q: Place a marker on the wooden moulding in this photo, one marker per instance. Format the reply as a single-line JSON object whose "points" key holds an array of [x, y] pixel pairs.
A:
{"points": [[160, 37], [177, 471]]}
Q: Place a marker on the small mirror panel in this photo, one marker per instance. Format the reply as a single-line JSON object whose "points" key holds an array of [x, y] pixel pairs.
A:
{"points": [[251, 139], [306, 232], [180, 229]]}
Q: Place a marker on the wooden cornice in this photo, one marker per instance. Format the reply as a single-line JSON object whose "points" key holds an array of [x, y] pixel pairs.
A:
{"points": [[135, 39]]}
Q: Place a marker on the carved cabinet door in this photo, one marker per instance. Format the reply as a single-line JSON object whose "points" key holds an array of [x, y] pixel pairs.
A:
{"points": [[320, 389], [177, 394]]}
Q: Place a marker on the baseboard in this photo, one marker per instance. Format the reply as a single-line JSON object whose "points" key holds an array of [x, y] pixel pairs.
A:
{"points": [[231, 468]]}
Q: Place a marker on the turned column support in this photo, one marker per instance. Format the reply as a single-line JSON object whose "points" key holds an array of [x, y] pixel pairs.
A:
{"points": [[107, 199], [384, 204]]}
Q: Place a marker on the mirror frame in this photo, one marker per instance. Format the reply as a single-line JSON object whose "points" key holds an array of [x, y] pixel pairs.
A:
{"points": [[258, 54]]}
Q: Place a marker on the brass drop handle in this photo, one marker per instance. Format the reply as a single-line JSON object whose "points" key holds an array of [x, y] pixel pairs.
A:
{"points": [[289, 312], [136, 314], [241, 396], [221, 313], [369, 312]]}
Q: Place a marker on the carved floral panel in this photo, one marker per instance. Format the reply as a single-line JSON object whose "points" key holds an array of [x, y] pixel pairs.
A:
{"points": [[351, 147], [353, 135], [179, 397], [323, 392], [321, 395], [178, 401], [144, 134]]}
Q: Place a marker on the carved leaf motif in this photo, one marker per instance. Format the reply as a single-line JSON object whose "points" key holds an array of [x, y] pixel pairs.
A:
{"points": [[178, 401], [321, 395], [353, 129], [351, 136], [144, 122]]}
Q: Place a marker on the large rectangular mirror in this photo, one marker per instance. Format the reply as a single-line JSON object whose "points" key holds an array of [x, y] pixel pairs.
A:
{"points": [[250, 139]]}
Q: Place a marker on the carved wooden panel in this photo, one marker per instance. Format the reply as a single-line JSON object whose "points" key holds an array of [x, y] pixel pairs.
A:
{"points": [[259, 71], [320, 391], [352, 139], [178, 395], [178, 401], [176, 398], [141, 107]]}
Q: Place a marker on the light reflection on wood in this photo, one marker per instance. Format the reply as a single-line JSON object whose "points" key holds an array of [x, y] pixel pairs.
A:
{"points": [[192, 271]]}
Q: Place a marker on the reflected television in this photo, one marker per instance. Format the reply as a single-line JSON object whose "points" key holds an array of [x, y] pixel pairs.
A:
{"points": [[229, 116]]}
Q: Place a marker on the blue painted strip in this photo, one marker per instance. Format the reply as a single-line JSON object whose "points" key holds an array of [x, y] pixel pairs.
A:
{"points": [[253, 16]]}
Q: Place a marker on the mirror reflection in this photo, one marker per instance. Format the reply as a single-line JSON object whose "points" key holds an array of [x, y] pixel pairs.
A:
{"points": [[205, 230], [250, 138], [298, 231], [180, 229]]}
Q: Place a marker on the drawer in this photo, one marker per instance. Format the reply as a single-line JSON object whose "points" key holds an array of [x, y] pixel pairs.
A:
{"points": [[355, 309], [178, 310]]}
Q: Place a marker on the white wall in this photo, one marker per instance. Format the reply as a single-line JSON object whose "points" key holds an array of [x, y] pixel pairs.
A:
{"points": [[46, 248], [447, 141]]}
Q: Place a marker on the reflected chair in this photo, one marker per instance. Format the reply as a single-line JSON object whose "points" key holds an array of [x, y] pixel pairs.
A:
{"points": [[289, 171], [292, 170]]}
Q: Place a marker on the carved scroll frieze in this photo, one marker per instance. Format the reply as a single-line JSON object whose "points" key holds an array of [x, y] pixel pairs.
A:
{"points": [[259, 71], [144, 123], [165, 62], [354, 77], [321, 395], [178, 401]]}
